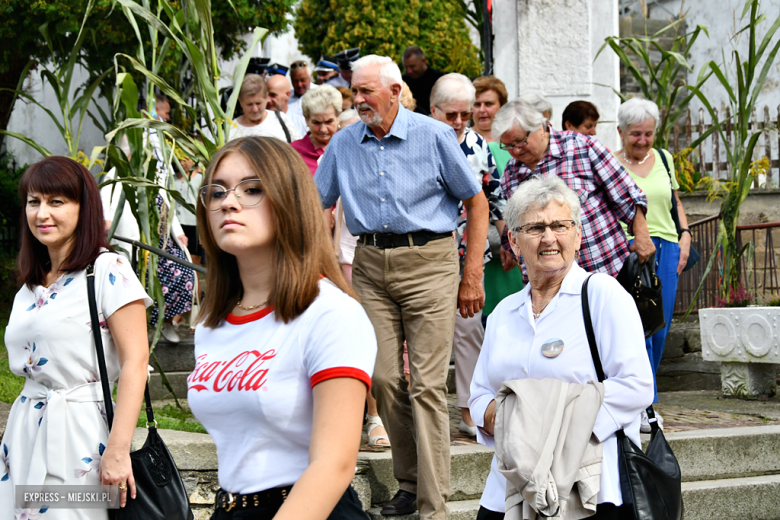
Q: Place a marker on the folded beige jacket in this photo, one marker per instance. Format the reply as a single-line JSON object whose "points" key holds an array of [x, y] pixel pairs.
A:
{"points": [[546, 449]]}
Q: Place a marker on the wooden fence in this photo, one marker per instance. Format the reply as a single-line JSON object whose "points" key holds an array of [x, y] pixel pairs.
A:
{"points": [[686, 131]]}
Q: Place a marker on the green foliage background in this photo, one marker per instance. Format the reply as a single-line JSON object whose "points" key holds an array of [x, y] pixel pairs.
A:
{"points": [[387, 27]]}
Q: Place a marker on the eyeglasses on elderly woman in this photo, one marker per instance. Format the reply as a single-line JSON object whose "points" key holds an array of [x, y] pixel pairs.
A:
{"points": [[559, 227], [248, 193], [522, 143]]}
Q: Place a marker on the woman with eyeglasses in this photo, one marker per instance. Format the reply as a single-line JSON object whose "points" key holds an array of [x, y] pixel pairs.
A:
{"points": [[538, 335], [321, 108], [278, 384], [452, 103], [607, 193]]}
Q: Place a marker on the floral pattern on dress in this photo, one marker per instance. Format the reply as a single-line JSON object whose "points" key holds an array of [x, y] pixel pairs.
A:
{"points": [[103, 324], [115, 272], [44, 294], [34, 360], [29, 514], [6, 463], [92, 462]]}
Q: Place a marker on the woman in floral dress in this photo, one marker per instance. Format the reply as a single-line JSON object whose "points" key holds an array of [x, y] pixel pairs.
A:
{"points": [[57, 431]]}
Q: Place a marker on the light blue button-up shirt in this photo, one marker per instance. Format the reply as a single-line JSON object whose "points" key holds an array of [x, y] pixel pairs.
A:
{"points": [[411, 180]]}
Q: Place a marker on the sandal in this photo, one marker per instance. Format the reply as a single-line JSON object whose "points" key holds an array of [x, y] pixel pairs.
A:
{"points": [[373, 422]]}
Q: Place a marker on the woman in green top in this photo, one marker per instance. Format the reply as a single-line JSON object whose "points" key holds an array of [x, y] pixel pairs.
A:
{"points": [[502, 275], [637, 120]]}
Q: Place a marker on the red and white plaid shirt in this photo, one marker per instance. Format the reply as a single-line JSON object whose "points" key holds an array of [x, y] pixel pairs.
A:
{"points": [[606, 191]]}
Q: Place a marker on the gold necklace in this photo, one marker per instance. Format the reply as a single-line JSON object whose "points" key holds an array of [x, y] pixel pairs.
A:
{"points": [[537, 314], [636, 163], [253, 307]]}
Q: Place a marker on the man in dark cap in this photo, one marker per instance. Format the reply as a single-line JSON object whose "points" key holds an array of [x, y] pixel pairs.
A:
{"points": [[326, 69], [276, 69], [344, 59], [420, 78]]}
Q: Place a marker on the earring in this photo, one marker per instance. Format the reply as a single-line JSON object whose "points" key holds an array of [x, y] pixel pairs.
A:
{"points": [[577, 255]]}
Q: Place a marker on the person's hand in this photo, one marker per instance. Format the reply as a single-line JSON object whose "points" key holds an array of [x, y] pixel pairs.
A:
{"points": [[685, 252], [471, 296], [116, 469], [490, 418], [507, 260], [644, 248], [183, 240]]}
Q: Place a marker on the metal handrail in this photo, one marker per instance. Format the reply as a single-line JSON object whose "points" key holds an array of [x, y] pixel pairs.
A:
{"points": [[160, 252]]}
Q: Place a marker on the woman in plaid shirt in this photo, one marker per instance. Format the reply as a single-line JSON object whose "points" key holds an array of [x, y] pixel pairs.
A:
{"points": [[607, 193]]}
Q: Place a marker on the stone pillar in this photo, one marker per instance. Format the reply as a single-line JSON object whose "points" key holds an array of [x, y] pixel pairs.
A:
{"points": [[748, 380], [549, 46]]}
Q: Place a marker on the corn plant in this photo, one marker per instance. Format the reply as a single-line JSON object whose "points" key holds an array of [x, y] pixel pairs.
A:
{"points": [[60, 78], [660, 82], [749, 75]]}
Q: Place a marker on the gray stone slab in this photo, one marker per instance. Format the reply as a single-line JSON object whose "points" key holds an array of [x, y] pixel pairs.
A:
{"points": [[756, 498], [469, 468], [462, 510], [727, 452], [714, 400], [176, 357], [191, 451], [178, 381]]}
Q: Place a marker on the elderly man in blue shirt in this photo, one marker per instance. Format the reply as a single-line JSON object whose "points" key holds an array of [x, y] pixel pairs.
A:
{"points": [[400, 176]]}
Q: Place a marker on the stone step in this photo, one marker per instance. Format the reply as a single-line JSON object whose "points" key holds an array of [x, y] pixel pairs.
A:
{"points": [[757, 498]]}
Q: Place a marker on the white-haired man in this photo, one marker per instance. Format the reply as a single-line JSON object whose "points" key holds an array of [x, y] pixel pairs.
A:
{"points": [[401, 176]]}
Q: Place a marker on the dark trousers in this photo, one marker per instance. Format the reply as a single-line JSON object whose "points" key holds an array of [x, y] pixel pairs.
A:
{"points": [[348, 507], [605, 511]]}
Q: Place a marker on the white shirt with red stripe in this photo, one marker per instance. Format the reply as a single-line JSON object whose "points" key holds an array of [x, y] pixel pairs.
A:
{"points": [[253, 379]]}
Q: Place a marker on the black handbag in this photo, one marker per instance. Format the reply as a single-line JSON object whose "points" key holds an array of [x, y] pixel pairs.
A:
{"points": [[693, 255], [651, 482], [160, 493], [644, 286]]}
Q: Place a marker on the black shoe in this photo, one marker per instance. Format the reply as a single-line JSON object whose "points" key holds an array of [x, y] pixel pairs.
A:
{"points": [[403, 503]]}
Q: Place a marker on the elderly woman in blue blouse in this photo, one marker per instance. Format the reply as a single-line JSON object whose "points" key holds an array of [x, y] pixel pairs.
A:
{"points": [[539, 333], [452, 102]]}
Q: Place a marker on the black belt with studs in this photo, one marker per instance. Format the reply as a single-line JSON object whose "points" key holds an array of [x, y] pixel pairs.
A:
{"points": [[270, 497]]}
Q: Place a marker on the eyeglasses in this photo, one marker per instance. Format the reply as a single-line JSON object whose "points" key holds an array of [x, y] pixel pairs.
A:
{"points": [[559, 227], [299, 64], [451, 116], [248, 193], [519, 144]]}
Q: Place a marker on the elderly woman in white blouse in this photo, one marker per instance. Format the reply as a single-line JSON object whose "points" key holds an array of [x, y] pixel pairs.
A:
{"points": [[539, 333]]}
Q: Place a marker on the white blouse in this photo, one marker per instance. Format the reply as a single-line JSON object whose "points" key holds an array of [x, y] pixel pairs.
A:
{"points": [[512, 349]]}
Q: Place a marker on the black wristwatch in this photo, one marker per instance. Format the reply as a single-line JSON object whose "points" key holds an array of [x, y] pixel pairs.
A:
{"points": [[686, 230]]}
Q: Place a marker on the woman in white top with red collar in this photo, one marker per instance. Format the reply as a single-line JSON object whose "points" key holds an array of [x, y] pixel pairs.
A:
{"points": [[284, 351]]}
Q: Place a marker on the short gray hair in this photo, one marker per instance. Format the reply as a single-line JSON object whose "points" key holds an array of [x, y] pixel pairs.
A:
{"points": [[348, 115], [635, 111], [317, 100], [389, 73], [539, 191], [453, 87], [516, 114], [538, 101]]}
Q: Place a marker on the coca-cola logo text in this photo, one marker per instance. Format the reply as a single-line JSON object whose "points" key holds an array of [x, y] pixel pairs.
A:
{"points": [[244, 372]]}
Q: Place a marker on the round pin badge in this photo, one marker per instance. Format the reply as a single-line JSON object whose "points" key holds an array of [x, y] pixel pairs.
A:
{"points": [[552, 347]]}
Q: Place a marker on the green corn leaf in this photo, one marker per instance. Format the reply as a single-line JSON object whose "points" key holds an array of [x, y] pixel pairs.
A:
{"points": [[28, 97], [41, 150]]}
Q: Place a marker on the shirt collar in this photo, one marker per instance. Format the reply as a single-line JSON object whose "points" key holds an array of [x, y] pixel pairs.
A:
{"points": [[572, 284], [399, 129], [555, 149]]}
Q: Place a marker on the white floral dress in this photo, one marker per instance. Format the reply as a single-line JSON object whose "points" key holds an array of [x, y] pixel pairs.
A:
{"points": [[57, 431]]}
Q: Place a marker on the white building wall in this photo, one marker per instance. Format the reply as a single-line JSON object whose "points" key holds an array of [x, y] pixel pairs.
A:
{"points": [[549, 46]]}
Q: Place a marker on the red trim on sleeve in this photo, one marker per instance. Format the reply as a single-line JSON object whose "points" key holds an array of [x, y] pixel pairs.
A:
{"points": [[240, 320], [336, 372]]}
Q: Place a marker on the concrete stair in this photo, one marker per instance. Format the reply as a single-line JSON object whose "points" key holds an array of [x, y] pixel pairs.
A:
{"points": [[728, 473]]}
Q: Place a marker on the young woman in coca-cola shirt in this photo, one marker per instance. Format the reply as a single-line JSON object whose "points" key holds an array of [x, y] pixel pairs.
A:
{"points": [[284, 351]]}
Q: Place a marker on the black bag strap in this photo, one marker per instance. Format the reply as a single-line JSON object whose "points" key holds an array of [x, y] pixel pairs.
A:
{"points": [[594, 351], [101, 358], [675, 214], [284, 127]]}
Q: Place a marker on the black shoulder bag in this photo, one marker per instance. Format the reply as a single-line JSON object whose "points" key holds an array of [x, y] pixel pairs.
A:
{"points": [[644, 286], [284, 126], [160, 493], [651, 482], [693, 255]]}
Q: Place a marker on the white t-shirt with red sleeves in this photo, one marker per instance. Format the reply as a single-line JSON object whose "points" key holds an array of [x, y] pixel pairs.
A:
{"points": [[252, 384]]}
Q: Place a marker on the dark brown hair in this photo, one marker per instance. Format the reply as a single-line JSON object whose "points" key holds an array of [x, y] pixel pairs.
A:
{"points": [[577, 112], [485, 83], [347, 94], [304, 249], [61, 176]]}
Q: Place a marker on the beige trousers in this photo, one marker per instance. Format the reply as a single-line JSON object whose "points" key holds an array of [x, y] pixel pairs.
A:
{"points": [[466, 346], [410, 293]]}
